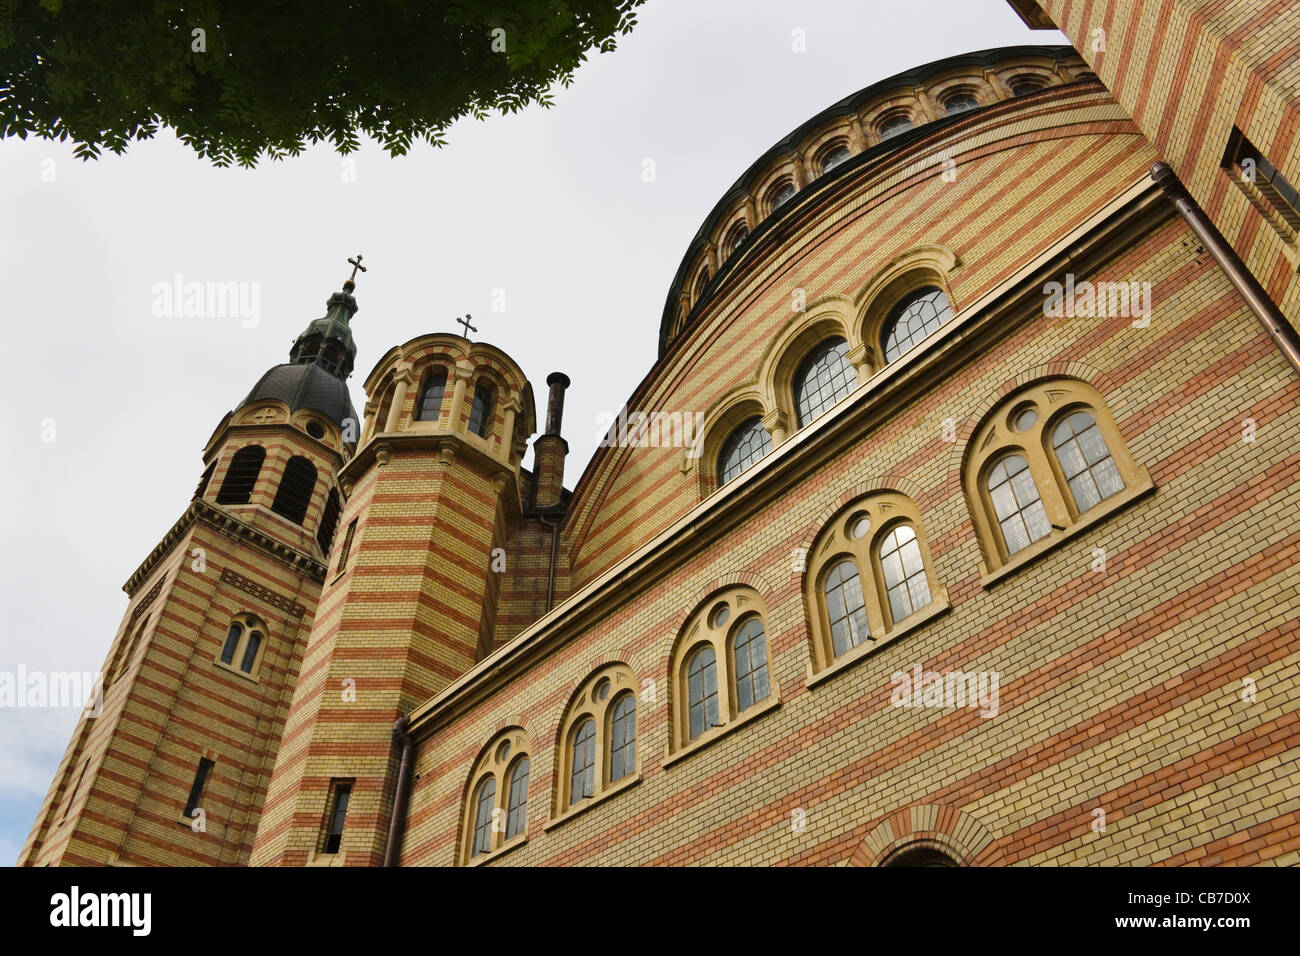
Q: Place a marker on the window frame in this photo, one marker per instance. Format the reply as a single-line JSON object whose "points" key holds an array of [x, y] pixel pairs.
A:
{"points": [[497, 761], [886, 510], [417, 413], [587, 704], [797, 382], [997, 436], [732, 440], [249, 624], [743, 605]]}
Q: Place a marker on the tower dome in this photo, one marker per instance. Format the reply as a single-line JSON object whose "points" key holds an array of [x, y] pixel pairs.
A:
{"points": [[320, 361]]}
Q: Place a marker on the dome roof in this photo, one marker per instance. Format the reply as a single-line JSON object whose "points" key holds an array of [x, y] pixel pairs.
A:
{"points": [[305, 386]]}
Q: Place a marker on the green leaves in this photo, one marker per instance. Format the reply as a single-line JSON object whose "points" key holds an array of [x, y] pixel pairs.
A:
{"points": [[264, 80]]}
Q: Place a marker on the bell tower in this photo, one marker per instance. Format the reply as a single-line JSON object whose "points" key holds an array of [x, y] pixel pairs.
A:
{"points": [[198, 680], [433, 496]]}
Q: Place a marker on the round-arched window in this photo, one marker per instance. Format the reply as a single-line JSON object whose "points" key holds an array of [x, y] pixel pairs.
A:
{"points": [[915, 317], [825, 377], [747, 444]]}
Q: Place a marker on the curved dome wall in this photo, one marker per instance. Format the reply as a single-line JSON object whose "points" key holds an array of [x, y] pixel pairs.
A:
{"points": [[954, 204]]}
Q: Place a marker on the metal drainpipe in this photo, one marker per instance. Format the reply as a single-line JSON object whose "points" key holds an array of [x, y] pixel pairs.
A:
{"points": [[550, 574], [1270, 316], [398, 824]]}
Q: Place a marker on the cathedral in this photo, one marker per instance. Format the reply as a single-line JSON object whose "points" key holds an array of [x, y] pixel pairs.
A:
{"points": [[952, 524]]}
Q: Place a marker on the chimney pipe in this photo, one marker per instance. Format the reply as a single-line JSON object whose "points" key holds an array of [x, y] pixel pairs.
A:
{"points": [[558, 382], [549, 450]]}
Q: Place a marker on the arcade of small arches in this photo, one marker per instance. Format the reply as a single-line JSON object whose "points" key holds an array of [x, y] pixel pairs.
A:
{"points": [[844, 135]]}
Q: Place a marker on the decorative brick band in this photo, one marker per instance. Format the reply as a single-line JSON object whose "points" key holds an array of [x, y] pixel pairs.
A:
{"points": [[266, 594]]}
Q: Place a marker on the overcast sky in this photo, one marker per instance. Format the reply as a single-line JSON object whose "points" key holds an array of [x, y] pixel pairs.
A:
{"points": [[548, 206]]}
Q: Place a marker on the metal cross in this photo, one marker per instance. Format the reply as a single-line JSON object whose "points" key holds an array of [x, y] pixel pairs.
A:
{"points": [[465, 322], [356, 264]]}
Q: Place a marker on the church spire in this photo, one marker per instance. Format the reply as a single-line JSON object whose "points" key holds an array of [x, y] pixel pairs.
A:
{"points": [[327, 341]]}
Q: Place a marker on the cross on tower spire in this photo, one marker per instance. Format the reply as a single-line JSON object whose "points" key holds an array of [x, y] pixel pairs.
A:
{"points": [[351, 282], [465, 322]]}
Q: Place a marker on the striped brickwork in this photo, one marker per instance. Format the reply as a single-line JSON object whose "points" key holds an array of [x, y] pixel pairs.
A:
{"points": [[413, 609], [1187, 72], [1121, 691], [169, 702]]}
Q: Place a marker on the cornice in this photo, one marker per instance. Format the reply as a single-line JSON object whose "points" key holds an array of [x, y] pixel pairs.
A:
{"points": [[227, 523]]}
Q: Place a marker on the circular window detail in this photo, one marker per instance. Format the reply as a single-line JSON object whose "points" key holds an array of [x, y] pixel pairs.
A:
{"points": [[1024, 418], [503, 752], [859, 525], [602, 689], [315, 429], [719, 615]]}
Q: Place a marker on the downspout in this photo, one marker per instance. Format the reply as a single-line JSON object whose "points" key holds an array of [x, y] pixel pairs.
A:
{"points": [[1270, 316], [397, 825], [550, 573]]}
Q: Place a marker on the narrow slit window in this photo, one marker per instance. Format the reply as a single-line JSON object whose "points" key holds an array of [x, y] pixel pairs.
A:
{"points": [[338, 815], [196, 788]]}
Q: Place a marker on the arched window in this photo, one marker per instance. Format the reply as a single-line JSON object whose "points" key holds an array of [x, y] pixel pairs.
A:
{"points": [[1049, 456], [702, 685], [846, 609], [484, 803], [1089, 469], [250, 652], [244, 642], [480, 414], [582, 779], [429, 406], [836, 157], [241, 476], [825, 377], [912, 319], [127, 653], [496, 802], [701, 282], [598, 739], [385, 407], [231, 644], [894, 124], [1017, 504], [517, 804], [293, 496], [737, 239], [203, 481], [749, 652], [748, 443], [329, 522], [960, 101], [1026, 83], [781, 195], [622, 737], [906, 585], [719, 667], [869, 578]]}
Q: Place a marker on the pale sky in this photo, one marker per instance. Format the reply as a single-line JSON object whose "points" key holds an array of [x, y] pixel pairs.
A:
{"points": [[548, 206]]}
